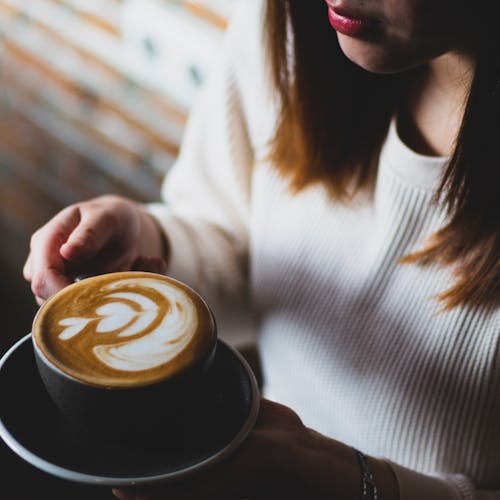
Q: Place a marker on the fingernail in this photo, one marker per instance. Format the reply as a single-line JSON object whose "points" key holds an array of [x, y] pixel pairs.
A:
{"points": [[122, 494], [81, 277]]}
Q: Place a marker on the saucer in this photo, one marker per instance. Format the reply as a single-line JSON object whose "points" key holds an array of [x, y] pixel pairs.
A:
{"points": [[32, 426]]}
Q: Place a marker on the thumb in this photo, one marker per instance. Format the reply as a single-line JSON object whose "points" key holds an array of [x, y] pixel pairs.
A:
{"points": [[45, 267]]}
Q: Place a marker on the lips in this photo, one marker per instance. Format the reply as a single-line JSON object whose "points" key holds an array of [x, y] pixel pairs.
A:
{"points": [[347, 22]]}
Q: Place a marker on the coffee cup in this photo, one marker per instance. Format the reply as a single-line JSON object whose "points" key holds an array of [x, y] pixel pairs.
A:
{"points": [[125, 354]]}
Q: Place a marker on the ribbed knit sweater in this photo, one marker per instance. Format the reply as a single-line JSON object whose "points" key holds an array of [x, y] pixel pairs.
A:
{"points": [[355, 342]]}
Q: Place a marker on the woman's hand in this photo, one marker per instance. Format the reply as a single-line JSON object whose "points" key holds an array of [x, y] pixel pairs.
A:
{"points": [[280, 459], [105, 234]]}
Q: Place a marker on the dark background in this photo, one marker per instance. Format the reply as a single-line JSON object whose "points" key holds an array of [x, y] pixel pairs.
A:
{"points": [[68, 135], [18, 480]]}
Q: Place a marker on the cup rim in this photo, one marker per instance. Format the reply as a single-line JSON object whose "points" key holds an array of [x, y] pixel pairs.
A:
{"points": [[49, 363]]}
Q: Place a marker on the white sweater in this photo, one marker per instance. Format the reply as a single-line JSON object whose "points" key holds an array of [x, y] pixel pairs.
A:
{"points": [[352, 340]]}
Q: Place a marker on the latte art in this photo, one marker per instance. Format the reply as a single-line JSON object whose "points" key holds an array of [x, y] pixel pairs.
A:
{"points": [[125, 328], [149, 347]]}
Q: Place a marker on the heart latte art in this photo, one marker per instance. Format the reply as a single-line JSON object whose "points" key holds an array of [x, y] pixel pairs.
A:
{"points": [[125, 329]]}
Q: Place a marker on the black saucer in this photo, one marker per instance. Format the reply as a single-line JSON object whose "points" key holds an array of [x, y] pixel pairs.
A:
{"points": [[33, 428]]}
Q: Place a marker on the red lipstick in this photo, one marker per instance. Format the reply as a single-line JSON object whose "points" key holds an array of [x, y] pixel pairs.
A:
{"points": [[347, 25]]}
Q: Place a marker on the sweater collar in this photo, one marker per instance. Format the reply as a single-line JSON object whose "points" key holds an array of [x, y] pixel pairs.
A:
{"points": [[411, 167]]}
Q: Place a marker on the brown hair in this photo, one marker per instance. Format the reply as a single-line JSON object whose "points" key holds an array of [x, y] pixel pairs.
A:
{"points": [[327, 108]]}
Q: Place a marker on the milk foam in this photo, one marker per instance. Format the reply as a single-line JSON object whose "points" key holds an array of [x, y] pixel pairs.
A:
{"points": [[131, 314]]}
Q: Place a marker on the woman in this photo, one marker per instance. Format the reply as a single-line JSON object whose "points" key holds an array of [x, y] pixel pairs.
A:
{"points": [[341, 184]]}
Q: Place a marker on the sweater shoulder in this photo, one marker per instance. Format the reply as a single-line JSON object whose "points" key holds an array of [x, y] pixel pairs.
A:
{"points": [[249, 71]]}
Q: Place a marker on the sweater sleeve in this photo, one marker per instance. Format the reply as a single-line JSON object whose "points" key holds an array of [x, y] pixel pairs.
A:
{"points": [[206, 195], [417, 486]]}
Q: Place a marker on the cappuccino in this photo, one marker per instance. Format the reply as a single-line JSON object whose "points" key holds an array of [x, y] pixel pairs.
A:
{"points": [[127, 329]]}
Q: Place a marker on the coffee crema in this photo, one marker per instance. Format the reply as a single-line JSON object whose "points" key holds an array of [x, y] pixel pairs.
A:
{"points": [[125, 329]]}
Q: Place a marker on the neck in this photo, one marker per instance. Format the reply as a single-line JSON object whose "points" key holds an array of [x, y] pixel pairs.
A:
{"points": [[435, 104]]}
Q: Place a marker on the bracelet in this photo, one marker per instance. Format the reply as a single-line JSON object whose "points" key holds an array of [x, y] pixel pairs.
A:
{"points": [[368, 486]]}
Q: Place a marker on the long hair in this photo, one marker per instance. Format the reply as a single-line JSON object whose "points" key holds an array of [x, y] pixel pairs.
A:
{"points": [[334, 118]]}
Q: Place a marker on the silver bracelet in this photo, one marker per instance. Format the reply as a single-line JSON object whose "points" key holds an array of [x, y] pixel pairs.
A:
{"points": [[368, 486]]}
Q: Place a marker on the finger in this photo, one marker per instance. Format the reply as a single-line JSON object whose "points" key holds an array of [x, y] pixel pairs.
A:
{"points": [[227, 480], [136, 495], [108, 261], [272, 413], [46, 267], [117, 263], [123, 494], [150, 264], [27, 269], [97, 228]]}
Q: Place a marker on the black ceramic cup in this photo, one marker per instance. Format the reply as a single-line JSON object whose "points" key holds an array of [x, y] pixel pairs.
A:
{"points": [[127, 412]]}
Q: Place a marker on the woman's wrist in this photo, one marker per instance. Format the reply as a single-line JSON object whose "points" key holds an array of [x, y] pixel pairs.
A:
{"points": [[327, 469], [385, 479], [330, 469]]}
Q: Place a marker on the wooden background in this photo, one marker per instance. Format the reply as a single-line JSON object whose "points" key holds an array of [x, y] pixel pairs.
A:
{"points": [[93, 99]]}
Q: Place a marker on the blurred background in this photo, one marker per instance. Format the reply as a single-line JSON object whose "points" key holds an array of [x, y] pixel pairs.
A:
{"points": [[93, 99]]}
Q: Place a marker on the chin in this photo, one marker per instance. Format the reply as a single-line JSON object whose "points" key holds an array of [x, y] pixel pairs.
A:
{"points": [[374, 57]]}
